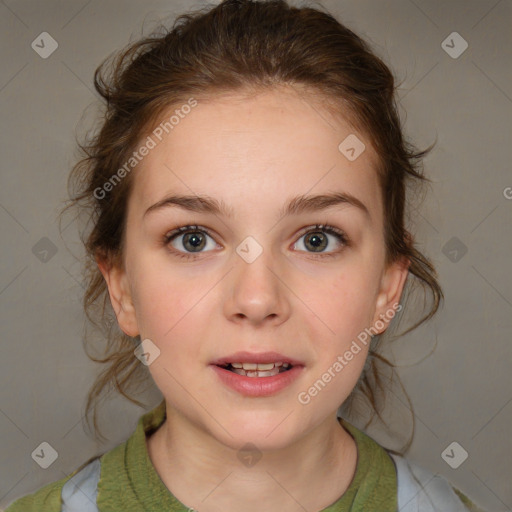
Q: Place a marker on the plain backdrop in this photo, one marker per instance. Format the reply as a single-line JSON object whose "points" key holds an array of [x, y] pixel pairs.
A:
{"points": [[462, 391]]}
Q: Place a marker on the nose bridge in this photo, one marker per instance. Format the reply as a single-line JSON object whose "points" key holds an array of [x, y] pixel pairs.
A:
{"points": [[256, 291]]}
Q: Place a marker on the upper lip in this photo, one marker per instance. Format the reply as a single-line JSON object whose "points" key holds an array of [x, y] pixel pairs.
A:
{"points": [[254, 357]]}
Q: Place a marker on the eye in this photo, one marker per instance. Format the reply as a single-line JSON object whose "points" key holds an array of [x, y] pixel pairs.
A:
{"points": [[188, 239], [316, 239]]}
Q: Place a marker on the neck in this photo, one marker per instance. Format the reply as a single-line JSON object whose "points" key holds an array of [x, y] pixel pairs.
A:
{"points": [[206, 475]]}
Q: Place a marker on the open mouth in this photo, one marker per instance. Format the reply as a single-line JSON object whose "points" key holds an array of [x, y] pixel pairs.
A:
{"points": [[260, 375], [257, 369]]}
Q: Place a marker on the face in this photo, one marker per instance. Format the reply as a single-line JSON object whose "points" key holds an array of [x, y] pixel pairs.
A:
{"points": [[256, 276]]}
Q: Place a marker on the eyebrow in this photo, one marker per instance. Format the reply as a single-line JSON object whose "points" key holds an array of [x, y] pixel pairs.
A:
{"points": [[295, 206]]}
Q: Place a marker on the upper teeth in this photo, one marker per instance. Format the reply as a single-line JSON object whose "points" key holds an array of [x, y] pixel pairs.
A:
{"points": [[259, 366]]}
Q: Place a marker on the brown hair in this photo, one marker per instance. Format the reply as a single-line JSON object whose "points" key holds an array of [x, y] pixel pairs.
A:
{"points": [[235, 46]]}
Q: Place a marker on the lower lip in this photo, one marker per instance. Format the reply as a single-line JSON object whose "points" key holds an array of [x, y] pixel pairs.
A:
{"points": [[258, 386]]}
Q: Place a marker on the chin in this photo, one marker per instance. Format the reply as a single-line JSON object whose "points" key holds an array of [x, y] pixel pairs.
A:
{"points": [[266, 431]]}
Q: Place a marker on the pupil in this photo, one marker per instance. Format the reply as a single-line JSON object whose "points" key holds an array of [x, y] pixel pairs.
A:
{"points": [[196, 241], [317, 242]]}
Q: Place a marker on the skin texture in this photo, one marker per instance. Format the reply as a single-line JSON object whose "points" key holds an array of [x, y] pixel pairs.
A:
{"points": [[254, 154]]}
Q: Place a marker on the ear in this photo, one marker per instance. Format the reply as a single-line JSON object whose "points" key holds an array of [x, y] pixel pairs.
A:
{"points": [[391, 287], [120, 296]]}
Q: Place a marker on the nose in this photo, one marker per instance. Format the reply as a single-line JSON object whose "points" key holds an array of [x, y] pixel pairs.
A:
{"points": [[256, 293]]}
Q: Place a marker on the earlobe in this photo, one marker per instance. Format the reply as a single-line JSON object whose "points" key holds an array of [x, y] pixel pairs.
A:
{"points": [[392, 285], [120, 296]]}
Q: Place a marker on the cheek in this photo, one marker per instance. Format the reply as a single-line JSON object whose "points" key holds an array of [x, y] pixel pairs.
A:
{"points": [[347, 301], [170, 304], [158, 297], [162, 310], [345, 304]]}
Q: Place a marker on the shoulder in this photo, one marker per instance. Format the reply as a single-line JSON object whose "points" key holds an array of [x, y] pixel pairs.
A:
{"points": [[79, 491], [46, 499], [74, 493], [421, 490]]}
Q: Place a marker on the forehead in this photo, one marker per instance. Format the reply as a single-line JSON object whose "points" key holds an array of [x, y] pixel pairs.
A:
{"points": [[256, 150]]}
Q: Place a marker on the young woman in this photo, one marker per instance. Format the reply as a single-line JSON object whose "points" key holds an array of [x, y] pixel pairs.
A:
{"points": [[246, 193]]}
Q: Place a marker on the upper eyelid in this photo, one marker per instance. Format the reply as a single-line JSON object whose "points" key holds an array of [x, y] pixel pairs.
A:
{"points": [[181, 230], [334, 231]]}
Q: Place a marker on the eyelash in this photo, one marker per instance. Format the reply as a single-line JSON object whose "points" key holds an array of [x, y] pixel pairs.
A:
{"points": [[326, 228]]}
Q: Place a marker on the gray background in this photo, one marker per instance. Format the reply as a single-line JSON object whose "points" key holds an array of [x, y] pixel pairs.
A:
{"points": [[461, 392]]}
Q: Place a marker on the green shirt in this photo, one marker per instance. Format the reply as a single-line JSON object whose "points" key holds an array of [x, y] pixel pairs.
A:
{"points": [[130, 483]]}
